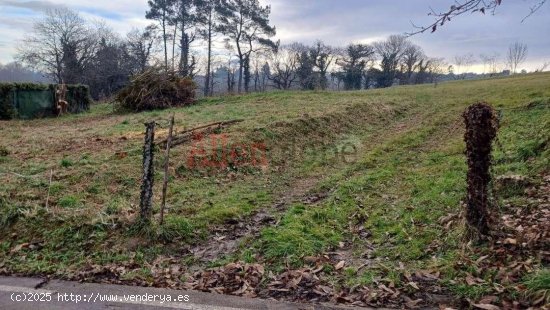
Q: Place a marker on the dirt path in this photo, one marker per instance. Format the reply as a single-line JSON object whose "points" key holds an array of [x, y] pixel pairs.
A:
{"points": [[227, 238]]}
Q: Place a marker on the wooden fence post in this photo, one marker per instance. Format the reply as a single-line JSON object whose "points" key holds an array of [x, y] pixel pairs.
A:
{"points": [[146, 199], [166, 166]]}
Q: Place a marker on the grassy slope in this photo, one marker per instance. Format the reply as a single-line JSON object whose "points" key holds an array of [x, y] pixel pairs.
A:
{"points": [[409, 172]]}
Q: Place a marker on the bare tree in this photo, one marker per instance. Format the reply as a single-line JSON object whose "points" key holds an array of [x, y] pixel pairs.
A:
{"points": [[495, 64], [391, 53], [62, 45], [412, 56], [436, 68], [230, 71], [485, 59], [517, 54], [490, 63], [543, 67], [463, 63], [139, 44], [217, 66], [322, 57], [258, 63], [283, 64], [393, 45]]}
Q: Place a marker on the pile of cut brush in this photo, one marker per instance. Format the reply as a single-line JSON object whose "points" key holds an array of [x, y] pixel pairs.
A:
{"points": [[156, 88]]}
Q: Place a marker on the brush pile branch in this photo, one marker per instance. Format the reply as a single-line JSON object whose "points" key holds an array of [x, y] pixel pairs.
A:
{"points": [[205, 130]]}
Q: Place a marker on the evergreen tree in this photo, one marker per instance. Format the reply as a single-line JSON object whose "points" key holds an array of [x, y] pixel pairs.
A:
{"points": [[389, 70], [305, 70], [322, 57], [162, 11], [246, 23], [207, 18], [354, 64], [391, 52], [186, 18]]}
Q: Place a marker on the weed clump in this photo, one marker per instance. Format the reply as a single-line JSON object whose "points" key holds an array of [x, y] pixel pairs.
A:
{"points": [[4, 151], [176, 228], [538, 285], [539, 103], [9, 213], [69, 202], [66, 163], [156, 89]]}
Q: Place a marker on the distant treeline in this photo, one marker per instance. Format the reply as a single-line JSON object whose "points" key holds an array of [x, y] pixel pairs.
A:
{"points": [[16, 72], [227, 46]]}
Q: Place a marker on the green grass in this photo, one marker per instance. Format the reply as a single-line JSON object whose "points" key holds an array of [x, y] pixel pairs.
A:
{"points": [[176, 228], [408, 171], [69, 201], [538, 285], [539, 280], [302, 232]]}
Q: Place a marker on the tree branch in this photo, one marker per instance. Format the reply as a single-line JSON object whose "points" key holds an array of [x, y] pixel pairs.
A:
{"points": [[464, 6]]}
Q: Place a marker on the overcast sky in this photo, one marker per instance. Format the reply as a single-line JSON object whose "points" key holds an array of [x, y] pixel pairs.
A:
{"points": [[337, 22]]}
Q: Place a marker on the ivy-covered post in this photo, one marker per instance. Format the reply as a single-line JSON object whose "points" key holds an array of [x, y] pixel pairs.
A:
{"points": [[481, 129]]}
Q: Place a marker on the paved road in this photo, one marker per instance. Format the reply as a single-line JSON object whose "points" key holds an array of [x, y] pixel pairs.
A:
{"points": [[36, 294]]}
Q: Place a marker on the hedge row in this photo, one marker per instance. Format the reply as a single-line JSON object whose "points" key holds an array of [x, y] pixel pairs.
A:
{"points": [[78, 97]]}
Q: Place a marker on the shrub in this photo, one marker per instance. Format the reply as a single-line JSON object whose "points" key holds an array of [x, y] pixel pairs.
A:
{"points": [[79, 98], [156, 89], [4, 151], [7, 109]]}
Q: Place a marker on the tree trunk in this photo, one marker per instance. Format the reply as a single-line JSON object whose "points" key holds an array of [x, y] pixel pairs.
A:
{"points": [[166, 166], [229, 90], [164, 39], [265, 80], [184, 48], [256, 79], [212, 83], [174, 47], [184, 57], [146, 200], [241, 65], [209, 60], [246, 69]]}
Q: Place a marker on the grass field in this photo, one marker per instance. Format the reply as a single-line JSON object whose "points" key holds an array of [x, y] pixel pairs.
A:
{"points": [[366, 178]]}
